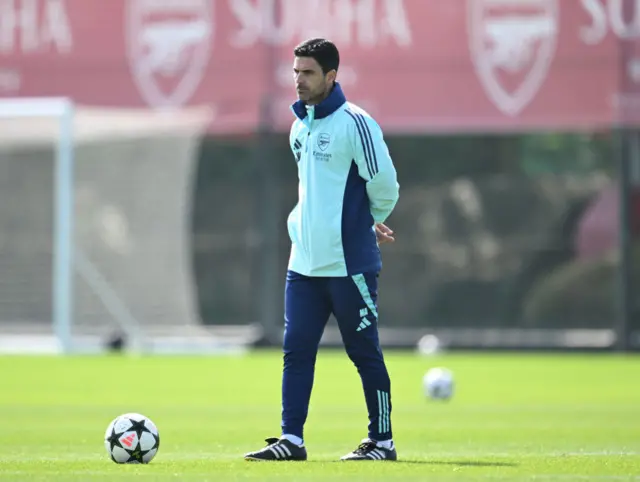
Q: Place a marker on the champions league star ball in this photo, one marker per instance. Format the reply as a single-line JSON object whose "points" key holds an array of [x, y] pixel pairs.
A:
{"points": [[438, 384], [132, 439]]}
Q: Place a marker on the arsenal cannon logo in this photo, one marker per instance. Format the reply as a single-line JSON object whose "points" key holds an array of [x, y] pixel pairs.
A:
{"points": [[168, 45], [512, 44]]}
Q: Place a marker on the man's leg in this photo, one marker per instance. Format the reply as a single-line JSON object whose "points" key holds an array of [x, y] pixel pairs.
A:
{"points": [[307, 310], [354, 302]]}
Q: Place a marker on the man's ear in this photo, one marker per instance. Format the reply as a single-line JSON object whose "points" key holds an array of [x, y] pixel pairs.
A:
{"points": [[331, 75]]}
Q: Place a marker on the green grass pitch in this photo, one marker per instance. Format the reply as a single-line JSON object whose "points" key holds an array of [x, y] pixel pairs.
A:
{"points": [[514, 417]]}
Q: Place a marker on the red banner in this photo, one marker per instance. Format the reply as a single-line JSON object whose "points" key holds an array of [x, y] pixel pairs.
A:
{"points": [[416, 65]]}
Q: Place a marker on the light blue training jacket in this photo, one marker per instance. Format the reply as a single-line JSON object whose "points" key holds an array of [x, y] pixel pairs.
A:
{"points": [[347, 182]]}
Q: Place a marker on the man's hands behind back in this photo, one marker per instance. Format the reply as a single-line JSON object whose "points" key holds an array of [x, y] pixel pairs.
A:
{"points": [[384, 234]]}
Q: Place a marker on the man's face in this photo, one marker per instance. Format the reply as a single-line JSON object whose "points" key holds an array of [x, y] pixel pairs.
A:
{"points": [[312, 84]]}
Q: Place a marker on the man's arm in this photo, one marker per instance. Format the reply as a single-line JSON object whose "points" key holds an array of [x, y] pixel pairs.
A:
{"points": [[371, 154], [294, 143]]}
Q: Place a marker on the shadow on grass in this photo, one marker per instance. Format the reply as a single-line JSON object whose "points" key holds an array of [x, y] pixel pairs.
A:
{"points": [[455, 463], [459, 463]]}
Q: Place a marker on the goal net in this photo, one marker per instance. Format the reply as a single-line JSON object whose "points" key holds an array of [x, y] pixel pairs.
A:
{"points": [[94, 228]]}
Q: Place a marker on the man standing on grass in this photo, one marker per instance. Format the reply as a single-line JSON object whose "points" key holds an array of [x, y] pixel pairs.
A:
{"points": [[347, 189]]}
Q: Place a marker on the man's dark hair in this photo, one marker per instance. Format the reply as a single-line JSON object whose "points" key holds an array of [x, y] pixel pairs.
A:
{"points": [[323, 51]]}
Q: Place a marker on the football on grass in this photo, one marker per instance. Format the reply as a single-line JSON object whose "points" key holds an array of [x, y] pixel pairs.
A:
{"points": [[132, 439], [438, 384]]}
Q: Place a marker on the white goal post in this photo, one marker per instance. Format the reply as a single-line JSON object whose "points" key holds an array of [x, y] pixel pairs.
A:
{"points": [[62, 109], [112, 258]]}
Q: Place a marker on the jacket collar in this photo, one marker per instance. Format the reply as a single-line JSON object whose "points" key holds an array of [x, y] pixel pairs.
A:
{"points": [[325, 108]]}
